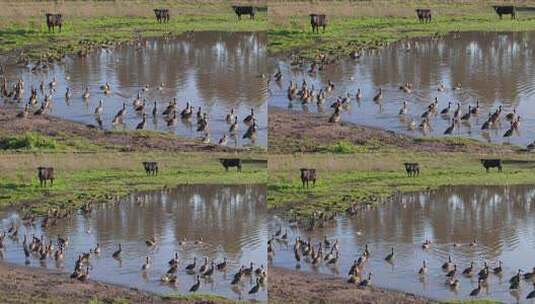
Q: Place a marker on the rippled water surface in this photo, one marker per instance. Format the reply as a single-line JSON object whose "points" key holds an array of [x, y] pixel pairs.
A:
{"points": [[501, 219], [231, 220], [493, 68], [216, 71]]}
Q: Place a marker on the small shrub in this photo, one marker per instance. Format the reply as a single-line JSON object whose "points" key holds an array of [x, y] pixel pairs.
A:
{"points": [[28, 141]]}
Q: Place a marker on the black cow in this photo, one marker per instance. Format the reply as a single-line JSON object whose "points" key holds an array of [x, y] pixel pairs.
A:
{"points": [[505, 10], [492, 163], [424, 14], [44, 174], [151, 167], [162, 15], [413, 169], [53, 20], [316, 21], [244, 10], [308, 175], [231, 162]]}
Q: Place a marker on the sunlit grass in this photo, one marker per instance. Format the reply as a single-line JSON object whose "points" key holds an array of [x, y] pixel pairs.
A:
{"points": [[344, 179], [100, 176]]}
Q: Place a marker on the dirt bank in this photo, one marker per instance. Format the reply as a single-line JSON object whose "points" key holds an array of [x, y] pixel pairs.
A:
{"points": [[296, 131], [288, 286], [122, 140], [34, 285]]}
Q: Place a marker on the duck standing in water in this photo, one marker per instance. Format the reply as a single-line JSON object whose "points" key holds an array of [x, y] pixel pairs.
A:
{"points": [[196, 286], [250, 118], [86, 94], [251, 132], [231, 117], [146, 265], [379, 96], [100, 108]]}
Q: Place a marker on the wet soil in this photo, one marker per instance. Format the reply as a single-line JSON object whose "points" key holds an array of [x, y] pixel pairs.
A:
{"points": [[33, 285], [288, 286], [125, 141], [293, 131]]}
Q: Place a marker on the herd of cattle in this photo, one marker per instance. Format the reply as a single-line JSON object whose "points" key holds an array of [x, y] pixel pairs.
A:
{"points": [[316, 20], [308, 175], [45, 174], [162, 16]]}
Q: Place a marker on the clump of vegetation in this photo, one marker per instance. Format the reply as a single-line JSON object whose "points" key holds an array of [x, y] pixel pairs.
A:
{"points": [[347, 147], [28, 141]]}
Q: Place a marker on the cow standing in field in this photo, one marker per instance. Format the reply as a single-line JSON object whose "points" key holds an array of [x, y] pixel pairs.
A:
{"points": [[308, 175], [424, 14], [162, 15], [316, 21], [505, 10], [53, 20], [231, 162], [492, 163], [413, 169], [44, 174], [244, 10], [151, 168]]}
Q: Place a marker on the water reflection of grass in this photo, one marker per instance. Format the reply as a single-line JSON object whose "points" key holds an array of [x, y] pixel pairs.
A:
{"points": [[369, 176], [100, 176]]}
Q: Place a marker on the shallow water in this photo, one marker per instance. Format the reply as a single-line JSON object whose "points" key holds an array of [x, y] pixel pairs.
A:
{"points": [[214, 70], [493, 68], [204, 211], [501, 219]]}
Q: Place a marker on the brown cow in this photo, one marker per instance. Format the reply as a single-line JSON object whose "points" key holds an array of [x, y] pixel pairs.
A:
{"points": [[308, 175], [162, 15], [413, 169], [44, 174], [151, 167], [53, 20], [316, 21], [424, 14]]}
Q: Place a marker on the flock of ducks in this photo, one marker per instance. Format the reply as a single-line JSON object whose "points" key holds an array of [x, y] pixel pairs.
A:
{"points": [[327, 252], [55, 249], [307, 94], [171, 114]]}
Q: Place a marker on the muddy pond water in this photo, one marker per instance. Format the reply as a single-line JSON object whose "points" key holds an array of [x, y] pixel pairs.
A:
{"points": [[217, 71], [231, 220], [500, 219], [492, 68]]}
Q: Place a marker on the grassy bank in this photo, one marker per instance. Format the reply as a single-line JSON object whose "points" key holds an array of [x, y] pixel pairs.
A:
{"points": [[98, 23], [353, 25], [367, 177], [360, 25], [101, 176]]}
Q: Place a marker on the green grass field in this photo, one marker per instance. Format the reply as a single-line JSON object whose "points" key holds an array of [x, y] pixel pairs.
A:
{"points": [[90, 24], [353, 25], [344, 179], [103, 176]]}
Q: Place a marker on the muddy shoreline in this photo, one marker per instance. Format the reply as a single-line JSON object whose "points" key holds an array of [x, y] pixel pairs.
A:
{"points": [[125, 141], [289, 286], [295, 131], [19, 284]]}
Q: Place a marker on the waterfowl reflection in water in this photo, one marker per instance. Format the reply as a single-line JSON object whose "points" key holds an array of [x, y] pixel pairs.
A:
{"points": [[436, 244], [196, 85], [174, 241], [476, 85]]}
